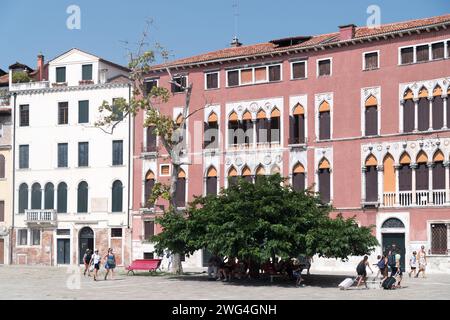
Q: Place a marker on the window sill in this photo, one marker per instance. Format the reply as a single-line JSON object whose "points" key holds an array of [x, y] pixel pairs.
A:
{"points": [[24, 169], [305, 78], [212, 89], [83, 167], [420, 62], [324, 76], [62, 168], [371, 69], [118, 166], [254, 84]]}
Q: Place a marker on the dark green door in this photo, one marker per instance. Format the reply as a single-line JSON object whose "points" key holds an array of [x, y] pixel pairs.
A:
{"points": [[86, 241], [395, 241], [63, 251]]}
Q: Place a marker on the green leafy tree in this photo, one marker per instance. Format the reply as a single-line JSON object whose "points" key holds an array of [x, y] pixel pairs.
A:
{"points": [[262, 220]]}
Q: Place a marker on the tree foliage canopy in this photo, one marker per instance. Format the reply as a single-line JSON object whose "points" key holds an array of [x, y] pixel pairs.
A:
{"points": [[261, 220]]}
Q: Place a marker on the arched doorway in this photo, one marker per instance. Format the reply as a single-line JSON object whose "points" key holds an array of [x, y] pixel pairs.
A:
{"points": [[85, 241], [393, 238]]}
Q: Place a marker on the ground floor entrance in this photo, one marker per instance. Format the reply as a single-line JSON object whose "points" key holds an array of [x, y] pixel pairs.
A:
{"points": [[396, 242], [86, 241], [63, 251]]}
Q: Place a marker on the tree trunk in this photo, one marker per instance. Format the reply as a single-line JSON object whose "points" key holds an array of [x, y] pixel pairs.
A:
{"points": [[176, 267]]}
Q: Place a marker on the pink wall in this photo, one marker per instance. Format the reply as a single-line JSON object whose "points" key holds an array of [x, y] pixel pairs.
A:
{"points": [[345, 83]]}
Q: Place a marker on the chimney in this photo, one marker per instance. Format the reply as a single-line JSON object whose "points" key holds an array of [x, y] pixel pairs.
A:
{"points": [[40, 66], [235, 43], [346, 32]]}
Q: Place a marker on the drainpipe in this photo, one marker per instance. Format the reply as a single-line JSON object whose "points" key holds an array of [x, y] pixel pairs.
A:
{"points": [[130, 171], [13, 115]]}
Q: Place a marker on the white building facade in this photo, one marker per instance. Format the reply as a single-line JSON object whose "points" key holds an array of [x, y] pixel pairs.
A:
{"points": [[71, 183]]}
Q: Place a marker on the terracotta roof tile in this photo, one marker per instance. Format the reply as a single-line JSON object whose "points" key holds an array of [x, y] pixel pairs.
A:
{"points": [[268, 47]]}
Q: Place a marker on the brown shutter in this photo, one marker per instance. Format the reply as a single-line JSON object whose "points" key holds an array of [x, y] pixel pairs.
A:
{"points": [[408, 116], [324, 67], [298, 70], [371, 184], [292, 130], [180, 195], [324, 125], [324, 185], [298, 181], [371, 60], [437, 50], [439, 238], [149, 229], [211, 185], [233, 78], [274, 73], [2, 211], [2, 166], [371, 121], [301, 128], [438, 113], [275, 129], [422, 53], [438, 176], [151, 139], [407, 55], [424, 114], [405, 178], [422, 177]]}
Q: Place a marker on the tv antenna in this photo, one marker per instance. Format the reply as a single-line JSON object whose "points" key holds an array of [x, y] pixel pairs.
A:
{"points": [[235, 7]]}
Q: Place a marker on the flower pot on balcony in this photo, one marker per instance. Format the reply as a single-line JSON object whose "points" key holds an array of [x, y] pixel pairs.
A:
{"points": [[85, 82]]}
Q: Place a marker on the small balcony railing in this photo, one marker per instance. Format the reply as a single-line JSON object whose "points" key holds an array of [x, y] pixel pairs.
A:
{"points": [[37, 216], [422, 198]]}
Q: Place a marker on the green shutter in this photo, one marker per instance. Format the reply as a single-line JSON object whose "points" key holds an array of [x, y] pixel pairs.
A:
{"points": [[86, 72]]}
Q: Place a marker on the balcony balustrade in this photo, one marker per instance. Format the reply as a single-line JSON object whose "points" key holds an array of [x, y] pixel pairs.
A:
{"points": [[422, 198], [38, 216]]}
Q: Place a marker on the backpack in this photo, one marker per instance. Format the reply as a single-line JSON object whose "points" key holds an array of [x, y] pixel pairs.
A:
{"points": [[388, 283], [381, 264], [88, 258]]}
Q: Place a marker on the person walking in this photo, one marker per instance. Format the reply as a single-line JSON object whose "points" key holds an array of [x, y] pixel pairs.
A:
{"points": [[87, 261], [361, 271], [95, 260], [422, 258], [413, 263], [382, 267], [391, 262], [110, 263]]}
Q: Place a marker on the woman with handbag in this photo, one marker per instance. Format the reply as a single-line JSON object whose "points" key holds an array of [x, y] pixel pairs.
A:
{"points": [[110, 263]]}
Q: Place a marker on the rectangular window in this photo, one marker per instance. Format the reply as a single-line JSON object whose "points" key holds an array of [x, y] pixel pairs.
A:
{"points": [[422, 53], [407, 55], [439, 238], [24, 115], [60, 74], [182, 83], [83, 154], [233, 78], [62, 155], [371, 60], [437, 50], [371, 184], [149, 84], [35, 237], [275, 73], [149, 229], [246, 76], [117, 153], [24, 156], [116, 232], [83, 111], [324, 67], [164, 170], [63, 232], [299, 70], [324, 125], [116, 111], [63, 112], [371, 121], [22, 237], [212, 80], [261, 74], [86, 72], [2, 211], [149, 255]]}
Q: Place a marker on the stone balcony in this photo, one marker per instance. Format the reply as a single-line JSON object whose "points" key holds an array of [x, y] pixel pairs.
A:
{"points": [[40, 217], [33, 85], [421, 198]]}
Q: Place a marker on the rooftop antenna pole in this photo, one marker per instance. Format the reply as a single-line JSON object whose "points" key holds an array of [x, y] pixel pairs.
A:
{"points": [[235, 42]]}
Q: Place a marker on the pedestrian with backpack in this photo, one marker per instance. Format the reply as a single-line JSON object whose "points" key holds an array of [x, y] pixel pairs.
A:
{"points": [[87, 261], [391, 262], [382, 266]]}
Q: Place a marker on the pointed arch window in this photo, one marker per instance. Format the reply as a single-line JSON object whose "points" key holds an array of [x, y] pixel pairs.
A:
{"points": [[247, 126], [297, 125], [232, 176], [233, 127], [211, 132], [298, 177], [148, 187], [405, 173], [23, 198], [408, 111], [371, 116], [423, 110], [82, 197], [62, 198], [371, 179], [260, 172], [262, 127], [211, 181], [324, 180], [438, 171], [151, 139], [117, 196], [49, 196], [438, 108], [275, 126], [247, 174], [36, 196], [324, 121], [180, 194], [422, 171]]}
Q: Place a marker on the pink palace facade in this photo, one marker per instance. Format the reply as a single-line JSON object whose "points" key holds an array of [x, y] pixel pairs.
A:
{"points": [[360, 115]]}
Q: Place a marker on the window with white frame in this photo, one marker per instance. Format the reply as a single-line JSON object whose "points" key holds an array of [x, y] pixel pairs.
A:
{"points": [[439, 238], [22, 237], [164, 170], [298, 70], [324, 67], [35, 237], [424, 52], [212, 80], [181, 82], [254, 75], [149, 85], [371, 60]]}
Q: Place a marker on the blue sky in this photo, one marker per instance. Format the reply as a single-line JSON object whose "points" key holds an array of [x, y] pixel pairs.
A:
{"points": [[185, 27]]}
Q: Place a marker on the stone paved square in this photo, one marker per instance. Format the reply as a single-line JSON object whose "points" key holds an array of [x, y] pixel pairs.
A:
{"points": [[49, 283]]}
